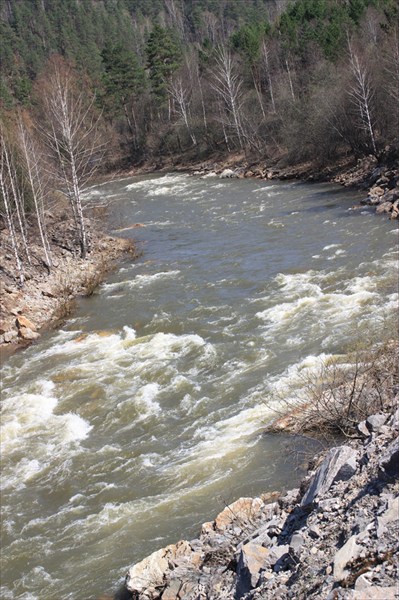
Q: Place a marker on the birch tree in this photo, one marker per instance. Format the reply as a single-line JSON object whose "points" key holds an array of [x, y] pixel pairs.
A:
{"points": [[181, 96], [228, 86], [36, 179], [361, 94], [266, 61], [8, 200], [71, 132]]}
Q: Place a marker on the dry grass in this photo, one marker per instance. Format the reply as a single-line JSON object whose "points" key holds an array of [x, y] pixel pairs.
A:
{"points": [[341, 393]]}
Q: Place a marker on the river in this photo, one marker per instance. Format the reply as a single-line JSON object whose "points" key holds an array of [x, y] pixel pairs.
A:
{"points": [[143, 416]]}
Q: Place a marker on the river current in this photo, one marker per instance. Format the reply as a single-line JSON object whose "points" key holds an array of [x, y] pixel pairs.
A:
{"points": [[143, 416]]}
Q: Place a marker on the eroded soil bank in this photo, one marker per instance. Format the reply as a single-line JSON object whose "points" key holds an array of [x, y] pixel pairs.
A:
{"points": [[48, 294]]}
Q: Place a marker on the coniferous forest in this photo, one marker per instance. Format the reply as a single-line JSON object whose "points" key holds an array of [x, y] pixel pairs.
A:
{"points": [[114, 83]]}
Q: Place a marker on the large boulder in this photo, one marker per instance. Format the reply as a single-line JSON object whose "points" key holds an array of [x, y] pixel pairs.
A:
{"points": [[339, 464], [345, 557], [22, 321], [228, 173], [251, 561], [154, 573], [389, 462]]}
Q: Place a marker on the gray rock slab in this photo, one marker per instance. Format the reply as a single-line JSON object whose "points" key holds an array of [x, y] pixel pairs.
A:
{"points": [[375, 422], [252, 560], [339, 464], [389, 462], [344, 557], [390, 515]]}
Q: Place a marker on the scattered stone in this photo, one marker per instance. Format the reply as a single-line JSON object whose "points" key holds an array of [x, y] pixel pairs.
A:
{"points": [[48, 293], [389, 516], [375, 592], [9, 336], [297, 541], [375, 422]]}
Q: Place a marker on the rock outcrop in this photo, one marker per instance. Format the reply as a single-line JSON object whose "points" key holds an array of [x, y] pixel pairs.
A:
{"points": [[336, 537]]}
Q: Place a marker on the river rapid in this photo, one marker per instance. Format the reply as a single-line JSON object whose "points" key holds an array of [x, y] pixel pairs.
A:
{"points": [[143, 416]]}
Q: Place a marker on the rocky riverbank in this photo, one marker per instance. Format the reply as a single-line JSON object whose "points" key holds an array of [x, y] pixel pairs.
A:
{"points": [[378, 178], [335, 537], [48, 294]]}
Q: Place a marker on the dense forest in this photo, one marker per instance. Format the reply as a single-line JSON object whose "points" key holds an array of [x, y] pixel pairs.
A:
{"points": [[117, 82]]}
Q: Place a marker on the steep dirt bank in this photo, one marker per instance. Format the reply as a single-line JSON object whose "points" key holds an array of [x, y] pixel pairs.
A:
{"points": [[48, 295]]}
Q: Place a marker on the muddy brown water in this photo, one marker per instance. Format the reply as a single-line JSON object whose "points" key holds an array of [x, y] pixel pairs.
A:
{"points": [[143, 416]]}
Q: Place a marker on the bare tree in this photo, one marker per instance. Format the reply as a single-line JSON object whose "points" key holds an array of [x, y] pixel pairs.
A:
{"points": [[36, 177], [362, 95], [71, 131], [265, 55], [181, 97], [6, 188], [228, 85], [391, 68]]}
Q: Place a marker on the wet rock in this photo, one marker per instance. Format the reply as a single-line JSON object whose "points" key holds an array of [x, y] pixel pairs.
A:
{"points": [[228, 173], [339, 464], [384, 207]]}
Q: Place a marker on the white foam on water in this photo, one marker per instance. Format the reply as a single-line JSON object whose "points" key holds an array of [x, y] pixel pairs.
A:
{"points": [[142, 280], [29, 418], [208, 175], [143, 400], [263, 189], [288, 385], [165, 180], [331, 246]]}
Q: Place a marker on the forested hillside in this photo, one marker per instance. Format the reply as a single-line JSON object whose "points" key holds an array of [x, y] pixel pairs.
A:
{"points": [[311, 77], [118, 82]]}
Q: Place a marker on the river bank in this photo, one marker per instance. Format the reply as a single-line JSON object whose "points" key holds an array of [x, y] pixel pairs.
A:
{"points": [[334, 537], [48, 296], [378, 178]]}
